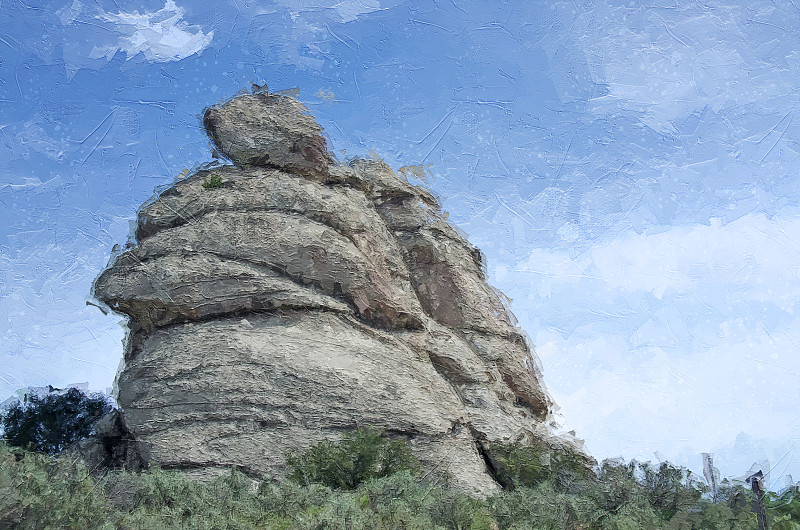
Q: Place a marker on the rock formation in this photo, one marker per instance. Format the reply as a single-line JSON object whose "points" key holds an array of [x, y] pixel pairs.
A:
{"points": [[300, 298]]}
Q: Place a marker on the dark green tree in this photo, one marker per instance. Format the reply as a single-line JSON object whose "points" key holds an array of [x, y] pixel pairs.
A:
{"points": [[51, 423], [665, 489]]}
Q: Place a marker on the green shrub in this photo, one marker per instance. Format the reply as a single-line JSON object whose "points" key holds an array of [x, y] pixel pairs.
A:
{"points": [[518, 465], [51, 423], [451, 509], [40, 491], [522, 465], [542, 507], [785, 509], [361, 455], [666, 491], [720, 516], [289, 498], [212, 182], [170, 499], [397, 501]]}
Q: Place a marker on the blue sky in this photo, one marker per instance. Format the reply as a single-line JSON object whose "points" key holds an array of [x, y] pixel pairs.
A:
{"points": [[629, 169]]}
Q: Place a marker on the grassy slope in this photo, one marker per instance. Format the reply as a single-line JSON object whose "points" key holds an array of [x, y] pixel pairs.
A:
{"points": [[39, 491]]}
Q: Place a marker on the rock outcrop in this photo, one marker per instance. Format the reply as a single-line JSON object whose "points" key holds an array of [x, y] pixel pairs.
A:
{"points": [[300, 298]]}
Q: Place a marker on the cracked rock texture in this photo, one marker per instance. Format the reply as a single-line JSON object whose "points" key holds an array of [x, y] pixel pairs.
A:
{"points": [[302, 298]]}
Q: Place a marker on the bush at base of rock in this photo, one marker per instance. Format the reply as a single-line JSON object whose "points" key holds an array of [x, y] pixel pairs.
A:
{"points": [[361, 455], [41, 491], [53, 422], [519, 465]]}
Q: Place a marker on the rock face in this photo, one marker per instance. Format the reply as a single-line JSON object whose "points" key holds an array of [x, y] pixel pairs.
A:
{"points": [[302, 298], [269, 130]]}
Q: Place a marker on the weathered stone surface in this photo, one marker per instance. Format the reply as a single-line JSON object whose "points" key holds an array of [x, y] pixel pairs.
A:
{"points": [[286, 306], [308, 375], [268, 130]]}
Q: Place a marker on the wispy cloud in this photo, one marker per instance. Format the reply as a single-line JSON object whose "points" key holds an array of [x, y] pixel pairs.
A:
{"points": [[161, 36], [667, 63], [34, 137], [29, 183], [346, 10]]}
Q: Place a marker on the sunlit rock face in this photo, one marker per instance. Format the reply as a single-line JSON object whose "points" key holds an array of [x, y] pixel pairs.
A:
{"points": [[300, 298]]}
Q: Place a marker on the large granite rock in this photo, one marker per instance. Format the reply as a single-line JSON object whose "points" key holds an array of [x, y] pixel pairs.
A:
{"points": [[301, 298]]}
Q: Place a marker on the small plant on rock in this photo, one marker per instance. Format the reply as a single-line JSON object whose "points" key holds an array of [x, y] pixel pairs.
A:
{"points": [[212, 182]]}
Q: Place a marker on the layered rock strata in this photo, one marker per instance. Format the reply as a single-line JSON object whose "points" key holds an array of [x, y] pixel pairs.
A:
{"points": [[301, 298]]}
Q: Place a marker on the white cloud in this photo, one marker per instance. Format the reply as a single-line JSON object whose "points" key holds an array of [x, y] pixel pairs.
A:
{"points": [[33, 137], [347, 10], [673, 342], [161, 36], [753, 256], [678, 406], [667, 63], [68, 14], [29, 183], [352, 9]]}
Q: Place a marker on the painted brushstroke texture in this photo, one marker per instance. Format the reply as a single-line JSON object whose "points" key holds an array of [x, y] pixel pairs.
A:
{"points": [[628, 168]]}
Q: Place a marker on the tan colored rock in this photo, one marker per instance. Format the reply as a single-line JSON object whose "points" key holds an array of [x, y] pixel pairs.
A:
{"points": [[293, 302], [266, 129]]}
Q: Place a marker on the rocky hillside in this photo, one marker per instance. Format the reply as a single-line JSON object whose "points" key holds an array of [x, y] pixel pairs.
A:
{"points": [[284, 298]]}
